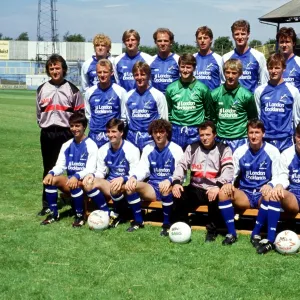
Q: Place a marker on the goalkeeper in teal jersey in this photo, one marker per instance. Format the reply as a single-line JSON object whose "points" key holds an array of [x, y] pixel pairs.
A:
{"points": [[234, 106], [189, 103]]}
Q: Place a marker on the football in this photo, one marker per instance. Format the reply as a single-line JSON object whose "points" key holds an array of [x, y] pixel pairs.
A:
{"points": [[180, 232], [98, 220], [287, 242]]}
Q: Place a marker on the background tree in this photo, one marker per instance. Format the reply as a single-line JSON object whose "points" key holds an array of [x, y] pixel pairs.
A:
{"points": [[222, 45], [77, 37], [5, 38], [147, 49], [23, 37], [270, 41], [255, 43]]}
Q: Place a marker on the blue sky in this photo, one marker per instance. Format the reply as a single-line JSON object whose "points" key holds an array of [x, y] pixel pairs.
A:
{"points": [[183, 17]]}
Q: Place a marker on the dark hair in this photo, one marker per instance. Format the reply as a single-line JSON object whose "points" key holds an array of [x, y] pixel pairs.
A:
{"points": [[164, 30], [256, 123], [160, 124], [204, 30], [286, 32], [55, 58], [187, 59], [297, 130], [276, 58], [78, 117], [128, 33], [240, 24], [204, 125], [115, 122], [139, 65]]}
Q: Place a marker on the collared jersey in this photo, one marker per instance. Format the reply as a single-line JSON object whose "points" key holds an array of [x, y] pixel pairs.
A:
{"points": [[103, 105], [209, 69], [157, 164], [254, 68], [143, 108], [292, 71], [164, 71], [209, 167], [56, 103], [233, 108], [89, 74], [123, 66], [113, 164], [279, 108], [255, 169], [189, 104], [77, 159], [291, 163]]}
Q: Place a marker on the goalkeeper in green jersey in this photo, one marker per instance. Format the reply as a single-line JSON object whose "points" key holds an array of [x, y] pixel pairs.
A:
{"points": [[234, 106]]}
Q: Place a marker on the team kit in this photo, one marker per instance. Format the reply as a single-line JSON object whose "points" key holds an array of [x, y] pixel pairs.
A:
{"points": [[231, 124]]}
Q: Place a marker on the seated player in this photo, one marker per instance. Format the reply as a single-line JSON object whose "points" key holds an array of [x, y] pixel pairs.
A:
{"points": [[211, 167], [290, 158], [144, 104], [257, 167], [234, 106], [104, 101], [278, 105], [189, 103], [158, 162], [78, 157], [115, 162]]}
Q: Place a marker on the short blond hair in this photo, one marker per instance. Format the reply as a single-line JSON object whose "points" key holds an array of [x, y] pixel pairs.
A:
{"points": [[102, 39], [130, 32], [105, 63], [234, 64]]}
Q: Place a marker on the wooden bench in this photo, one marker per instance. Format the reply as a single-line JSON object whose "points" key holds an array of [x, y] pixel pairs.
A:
{"points": [[151, 205]]}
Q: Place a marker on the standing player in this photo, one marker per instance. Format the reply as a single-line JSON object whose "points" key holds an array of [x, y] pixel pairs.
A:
{"points": [[78, 157], [234, 106], [102, 45], [254, 62], [286, 39], [209, 64], [258, 169], [115, 162], [125, 61], [158, 162], [104, 101], [211, 166], [164, 67], [278, 105], [144, 104], [56, 100], [189, 103]]}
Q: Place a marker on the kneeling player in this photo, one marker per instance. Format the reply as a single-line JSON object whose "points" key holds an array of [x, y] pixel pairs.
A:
{"points": [[258, 168], [78, 156], [158, 162], [115, 162]]}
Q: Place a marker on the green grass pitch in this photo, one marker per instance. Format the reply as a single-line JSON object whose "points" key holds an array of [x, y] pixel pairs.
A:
{"points": [[60, 262]]}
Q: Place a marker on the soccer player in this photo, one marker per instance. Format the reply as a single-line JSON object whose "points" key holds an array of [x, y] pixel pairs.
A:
{"points": [[286, 39], [56, 100], [78, 157], [158, 162], [125, 61], [209, 64], [278, 105], [254, 62], [104, 101], [115, 162], [189, 103], [164, 67], [257, 169], [89, 77], [234, 106], [144, 104], [211, 166]]}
